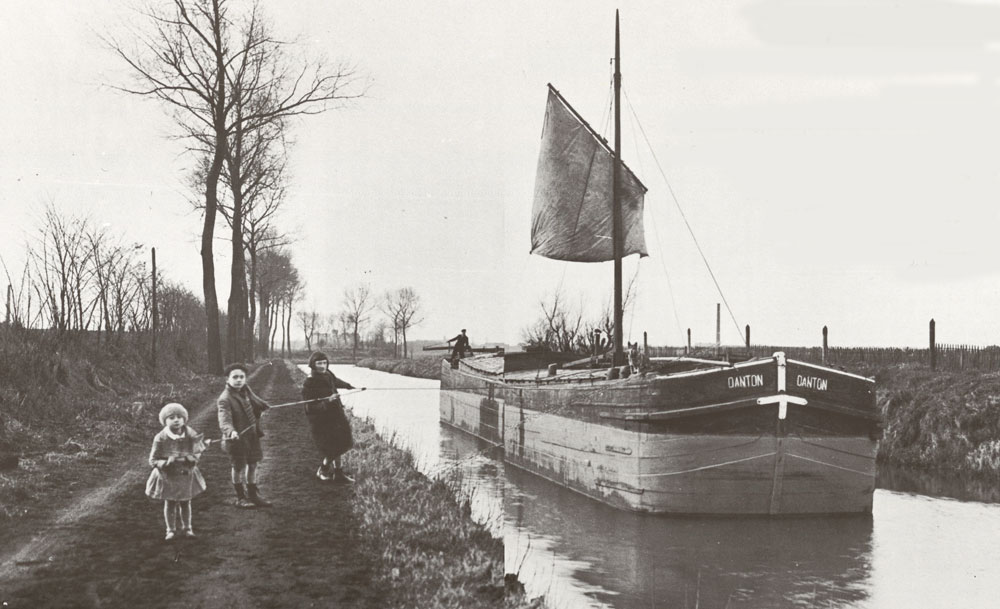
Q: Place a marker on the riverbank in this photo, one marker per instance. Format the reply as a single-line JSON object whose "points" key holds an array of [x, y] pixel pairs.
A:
{"points": [[940, 421], [425, 367], [933, 420], [79, 531]]}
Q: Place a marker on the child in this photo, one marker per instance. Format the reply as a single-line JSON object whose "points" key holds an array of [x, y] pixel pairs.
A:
{"points": [[175, 477], [329, 425], [239, 420]]}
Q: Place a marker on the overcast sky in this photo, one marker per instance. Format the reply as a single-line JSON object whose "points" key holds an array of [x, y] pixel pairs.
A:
{"points": [[837, 161]]}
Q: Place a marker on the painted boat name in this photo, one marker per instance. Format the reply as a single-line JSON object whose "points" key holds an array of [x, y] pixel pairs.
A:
{"points": [[747, 380], [811, 382]]}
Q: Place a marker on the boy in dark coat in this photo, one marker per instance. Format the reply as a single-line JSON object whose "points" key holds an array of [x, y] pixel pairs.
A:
{"points": [[328, 423], [239, 421]]}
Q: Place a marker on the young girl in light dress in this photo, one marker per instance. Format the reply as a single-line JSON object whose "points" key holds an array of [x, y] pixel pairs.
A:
{"points": [[175, 477]]}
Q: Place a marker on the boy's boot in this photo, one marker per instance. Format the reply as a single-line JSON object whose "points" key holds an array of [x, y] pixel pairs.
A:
{"points": [[253, 493], [241, 495], [340, 477]]}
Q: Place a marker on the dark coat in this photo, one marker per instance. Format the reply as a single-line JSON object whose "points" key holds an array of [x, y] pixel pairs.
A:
{"points": [[240, 411], [331, 431]]}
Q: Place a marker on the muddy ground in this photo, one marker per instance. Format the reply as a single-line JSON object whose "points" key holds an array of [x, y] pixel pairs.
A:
{"points": [[105, 548]]}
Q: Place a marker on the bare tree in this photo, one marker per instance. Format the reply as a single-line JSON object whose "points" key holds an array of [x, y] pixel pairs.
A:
{"points": [[59, 259], [402, 306], [181, 60], [357, 306], [376, 334], [275, 273], [266, 87], [605, 322], [309, 320], [18, 313], [558, 328]]}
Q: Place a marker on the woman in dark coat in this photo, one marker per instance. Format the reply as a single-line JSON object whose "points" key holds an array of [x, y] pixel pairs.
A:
{"points": [[329, 425]]}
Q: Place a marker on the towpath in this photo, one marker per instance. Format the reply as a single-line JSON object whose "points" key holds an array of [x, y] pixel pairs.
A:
{"points": [[107, 548]]}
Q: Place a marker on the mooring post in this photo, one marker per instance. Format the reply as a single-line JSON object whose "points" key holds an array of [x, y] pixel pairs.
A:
{"points": [[825, 345], [933, 348]]}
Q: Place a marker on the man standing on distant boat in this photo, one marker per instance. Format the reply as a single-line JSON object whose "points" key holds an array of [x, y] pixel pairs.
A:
{"points": [[461, 344]]}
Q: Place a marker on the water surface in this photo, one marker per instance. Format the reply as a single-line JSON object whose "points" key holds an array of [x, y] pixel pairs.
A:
{"points": [[929, 543]]}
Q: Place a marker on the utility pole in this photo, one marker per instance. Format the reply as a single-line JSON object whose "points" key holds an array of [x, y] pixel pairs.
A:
{"points": [[156, 314]]}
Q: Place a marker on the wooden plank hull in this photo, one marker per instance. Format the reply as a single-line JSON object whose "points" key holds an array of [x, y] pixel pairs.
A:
{"points": [[737, 440]]}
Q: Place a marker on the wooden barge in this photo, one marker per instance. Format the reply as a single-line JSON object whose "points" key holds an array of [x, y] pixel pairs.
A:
{"points": [[763, 436]]}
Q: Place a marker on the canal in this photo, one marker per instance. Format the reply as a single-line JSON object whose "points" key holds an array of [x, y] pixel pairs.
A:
{"points": [[929, 543]]}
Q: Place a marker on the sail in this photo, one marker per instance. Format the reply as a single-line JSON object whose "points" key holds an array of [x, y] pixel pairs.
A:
{"points": [[571, 218]]}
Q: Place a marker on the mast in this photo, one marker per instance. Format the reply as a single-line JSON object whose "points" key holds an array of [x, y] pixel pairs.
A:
{"points": [[616, 223]]}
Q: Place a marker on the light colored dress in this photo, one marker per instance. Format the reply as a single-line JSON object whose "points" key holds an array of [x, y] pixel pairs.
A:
{"points": [[181, 480]]}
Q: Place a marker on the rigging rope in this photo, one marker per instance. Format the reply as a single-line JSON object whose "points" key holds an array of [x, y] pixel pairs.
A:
{"points": [[656, 229], [687, 224]]}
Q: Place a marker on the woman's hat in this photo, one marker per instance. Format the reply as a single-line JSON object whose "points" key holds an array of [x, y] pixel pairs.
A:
{"points": [[317, 356], [171, 409]]}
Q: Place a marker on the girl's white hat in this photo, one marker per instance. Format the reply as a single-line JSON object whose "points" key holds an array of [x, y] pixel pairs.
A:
{"points": [[171, 409]]}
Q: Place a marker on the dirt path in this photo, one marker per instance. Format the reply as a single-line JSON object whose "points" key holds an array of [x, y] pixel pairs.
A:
{"points": [[108, 549]]}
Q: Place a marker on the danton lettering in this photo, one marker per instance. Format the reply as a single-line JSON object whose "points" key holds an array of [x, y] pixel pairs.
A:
{"points": [[747, 380], [811, 382]]}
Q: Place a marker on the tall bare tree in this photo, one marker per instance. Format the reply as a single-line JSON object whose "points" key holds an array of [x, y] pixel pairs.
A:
{"points": [[227, 81], [402, 306], [180, 58], [357, 305]]}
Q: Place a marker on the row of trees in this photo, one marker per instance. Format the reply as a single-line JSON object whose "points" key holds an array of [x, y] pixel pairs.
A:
{"points": [[358, 322], [564, 327], [232, 88], [79, 277]]}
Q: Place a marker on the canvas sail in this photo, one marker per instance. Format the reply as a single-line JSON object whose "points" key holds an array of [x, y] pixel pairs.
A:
{"points": [[571, 217]]}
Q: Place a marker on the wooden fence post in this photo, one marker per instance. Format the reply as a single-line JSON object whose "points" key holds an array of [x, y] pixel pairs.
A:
{"points": [[718, 327], [933, 348], [825, 344]]}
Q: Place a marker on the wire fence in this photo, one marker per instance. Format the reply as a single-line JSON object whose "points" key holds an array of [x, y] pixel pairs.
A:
{"points": [[943, 356]]}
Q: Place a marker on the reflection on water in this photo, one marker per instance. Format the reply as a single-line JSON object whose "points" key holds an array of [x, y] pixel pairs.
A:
{"points": [[916, 550], [954, 487], [631, 560]]}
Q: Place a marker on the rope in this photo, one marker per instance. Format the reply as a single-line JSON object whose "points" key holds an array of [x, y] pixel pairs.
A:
{"points": [[677, 203]]}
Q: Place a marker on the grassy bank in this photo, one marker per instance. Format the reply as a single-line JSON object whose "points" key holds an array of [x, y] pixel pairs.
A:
{"points": [[70, 402], [428, 550], [935, 420], [425, 367]]}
